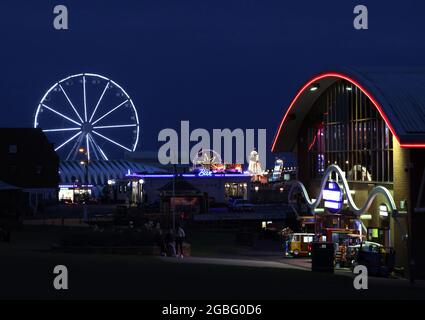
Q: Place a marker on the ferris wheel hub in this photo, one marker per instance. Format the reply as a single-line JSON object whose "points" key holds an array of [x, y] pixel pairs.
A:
{"points": [[86, 127]]}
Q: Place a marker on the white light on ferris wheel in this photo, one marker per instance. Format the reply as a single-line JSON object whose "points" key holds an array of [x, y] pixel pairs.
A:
{"points": [[86, 128]]}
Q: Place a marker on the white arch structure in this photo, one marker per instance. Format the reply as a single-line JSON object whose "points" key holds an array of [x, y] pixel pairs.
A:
{"points": [[352, 205]]}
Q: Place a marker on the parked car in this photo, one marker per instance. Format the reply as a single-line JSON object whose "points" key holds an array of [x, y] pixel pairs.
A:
{"points": [[368, 246], [299, 244], [240, 205], [380, 261]]}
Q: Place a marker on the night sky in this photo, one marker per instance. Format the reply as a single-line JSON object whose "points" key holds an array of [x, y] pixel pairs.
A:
{"points": [[219, 64]]}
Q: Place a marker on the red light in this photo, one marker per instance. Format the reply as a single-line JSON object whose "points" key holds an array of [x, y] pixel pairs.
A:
{"points": [[312, 143]]}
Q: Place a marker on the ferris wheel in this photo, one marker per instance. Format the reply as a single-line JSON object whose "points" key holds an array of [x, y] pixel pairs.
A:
{"points": [[88, 111]]}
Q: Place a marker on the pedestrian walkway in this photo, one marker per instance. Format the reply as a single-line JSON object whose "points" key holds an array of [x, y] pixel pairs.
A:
{"points": [[240, 262], [285, 263]]}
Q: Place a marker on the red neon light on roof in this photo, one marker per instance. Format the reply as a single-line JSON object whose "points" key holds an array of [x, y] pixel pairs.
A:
{"points": [[365, 92], [313, 142]]}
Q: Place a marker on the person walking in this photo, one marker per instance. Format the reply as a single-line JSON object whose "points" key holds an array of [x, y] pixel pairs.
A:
{"points": [[160, 241], [179, 241]]}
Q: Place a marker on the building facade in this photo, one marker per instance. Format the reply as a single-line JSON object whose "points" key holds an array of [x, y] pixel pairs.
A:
{"points": [[75, 177], [370, 125], [28, 161], [217, 187]]}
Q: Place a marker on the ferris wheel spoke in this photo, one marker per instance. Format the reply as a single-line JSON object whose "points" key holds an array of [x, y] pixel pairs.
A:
{"points": [[60, 114], [103, 153], [67, 141], [63, 129], [93, 147], [74, 150], [112, 141], [99, 148], [69, 101], [98, 102], [110, 111], [115, 126], [85, 99], [88, 147]]}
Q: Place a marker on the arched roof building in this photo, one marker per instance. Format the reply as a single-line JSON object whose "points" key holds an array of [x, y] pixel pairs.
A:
{"points": [[100, 172], [399, 98], [371, 125]]}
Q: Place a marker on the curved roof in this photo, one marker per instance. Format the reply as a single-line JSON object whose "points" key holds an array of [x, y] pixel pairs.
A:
{"points": [[398, 96], [101, 171]]}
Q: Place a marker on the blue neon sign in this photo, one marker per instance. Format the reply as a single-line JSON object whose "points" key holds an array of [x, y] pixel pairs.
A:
{"points": [[332, 196], [205, 173]]}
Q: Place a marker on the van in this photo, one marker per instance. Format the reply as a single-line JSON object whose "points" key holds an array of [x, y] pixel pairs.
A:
{"points": [[299, 244]]}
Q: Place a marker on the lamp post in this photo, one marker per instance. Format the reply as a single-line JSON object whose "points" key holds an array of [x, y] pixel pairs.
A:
{"points": [[85, 163], [174, 199], [140, 191]]}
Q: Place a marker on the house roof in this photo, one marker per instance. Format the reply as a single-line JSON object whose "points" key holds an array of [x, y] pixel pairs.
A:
{"points": [[399, 97], [5, 186]]}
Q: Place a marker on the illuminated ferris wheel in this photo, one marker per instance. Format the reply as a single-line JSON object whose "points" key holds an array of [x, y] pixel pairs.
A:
{"points": [[88, 111]]}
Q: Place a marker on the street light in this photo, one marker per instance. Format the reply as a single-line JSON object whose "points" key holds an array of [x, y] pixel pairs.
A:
{"points": [[85, 163], [140, 195]]}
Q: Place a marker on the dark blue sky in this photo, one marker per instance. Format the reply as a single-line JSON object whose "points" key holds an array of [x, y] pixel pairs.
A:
{"points": [[216, 63]]}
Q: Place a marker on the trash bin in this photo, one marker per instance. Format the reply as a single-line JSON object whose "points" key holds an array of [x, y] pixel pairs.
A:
{"points": [[322, 257]]}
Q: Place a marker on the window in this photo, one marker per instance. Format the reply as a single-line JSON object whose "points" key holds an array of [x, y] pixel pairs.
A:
{"points": [[13, 148], [348, 131], [38, 169], [308, 239]]}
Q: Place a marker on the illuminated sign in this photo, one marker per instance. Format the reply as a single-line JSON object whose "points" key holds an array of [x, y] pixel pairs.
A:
{"points": [[76, 186], [218, 168], [332, 196], [234, 168], [383, 210], [205, 173]]}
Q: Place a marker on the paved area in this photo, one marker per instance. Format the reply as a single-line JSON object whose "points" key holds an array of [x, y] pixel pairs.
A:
{"points": [[240, 262], [29, 274], [26, 271]]}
